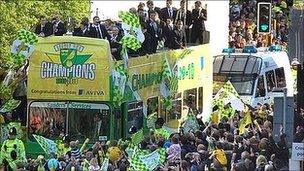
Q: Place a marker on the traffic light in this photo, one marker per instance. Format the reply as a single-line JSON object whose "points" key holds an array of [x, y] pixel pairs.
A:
{"points": [[264, 17]]}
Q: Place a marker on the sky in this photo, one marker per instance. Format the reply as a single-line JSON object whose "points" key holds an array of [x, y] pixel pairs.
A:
{"points": [[109, 9]]}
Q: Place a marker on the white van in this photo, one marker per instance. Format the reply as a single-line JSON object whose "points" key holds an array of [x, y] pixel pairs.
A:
{"points": [[256, 74]]}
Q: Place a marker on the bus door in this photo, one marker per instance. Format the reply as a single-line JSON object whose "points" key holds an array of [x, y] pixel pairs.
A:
{"points": [[133, 116]]}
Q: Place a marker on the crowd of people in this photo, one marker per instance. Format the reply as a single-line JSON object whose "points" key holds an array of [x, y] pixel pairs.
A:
{"points": [[243, 25], [173, 27], [220, 144]]}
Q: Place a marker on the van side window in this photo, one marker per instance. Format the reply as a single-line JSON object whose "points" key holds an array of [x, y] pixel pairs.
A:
{"points": [[280, 77], [260, 92], [270, 78]]}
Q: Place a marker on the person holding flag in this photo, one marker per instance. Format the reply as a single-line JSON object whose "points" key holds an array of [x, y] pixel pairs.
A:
{"points": [[159, 131], [193, 121], [12, 151]]}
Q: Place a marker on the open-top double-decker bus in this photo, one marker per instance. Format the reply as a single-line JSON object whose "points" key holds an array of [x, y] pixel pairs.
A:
{"points": [[71, 82]]}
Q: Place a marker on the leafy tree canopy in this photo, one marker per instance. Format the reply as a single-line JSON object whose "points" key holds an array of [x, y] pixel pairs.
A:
{"points": [[16, 15]]}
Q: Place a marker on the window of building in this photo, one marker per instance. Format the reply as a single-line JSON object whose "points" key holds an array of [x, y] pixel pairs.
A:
{"points": [[280, 77]]}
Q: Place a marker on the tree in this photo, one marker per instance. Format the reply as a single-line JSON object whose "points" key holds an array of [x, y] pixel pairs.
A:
{"points": [[16, 15]]}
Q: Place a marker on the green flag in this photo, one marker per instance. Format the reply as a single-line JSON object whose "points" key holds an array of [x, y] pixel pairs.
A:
{"points": [[137, 163], [49, 146], [138, 136], [10, 105]]}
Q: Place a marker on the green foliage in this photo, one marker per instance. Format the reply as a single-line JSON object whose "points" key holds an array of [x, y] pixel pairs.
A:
{"points": [[16, 15]]}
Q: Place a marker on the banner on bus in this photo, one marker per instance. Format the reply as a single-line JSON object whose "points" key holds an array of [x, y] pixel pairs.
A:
{"points": [[65, 68]]}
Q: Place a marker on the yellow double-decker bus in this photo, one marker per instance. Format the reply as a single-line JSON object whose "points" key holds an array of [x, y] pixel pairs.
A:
{"points": [[71, 82]]}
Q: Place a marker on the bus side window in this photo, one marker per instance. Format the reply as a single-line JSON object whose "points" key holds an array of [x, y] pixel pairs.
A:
{"points": [[192, 92], [135, 115], [260, 92], [270, 78], [280, 77], [175, 112], [152, 104]]}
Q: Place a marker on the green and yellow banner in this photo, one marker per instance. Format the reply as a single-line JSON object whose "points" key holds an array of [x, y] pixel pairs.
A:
{"points": [[69, 68]]}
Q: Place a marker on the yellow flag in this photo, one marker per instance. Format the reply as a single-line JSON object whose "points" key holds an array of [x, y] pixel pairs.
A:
{"points": [[244, 122]]}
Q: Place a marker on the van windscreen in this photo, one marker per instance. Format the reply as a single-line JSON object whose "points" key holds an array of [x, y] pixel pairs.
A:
{"points": [[245, 65]]}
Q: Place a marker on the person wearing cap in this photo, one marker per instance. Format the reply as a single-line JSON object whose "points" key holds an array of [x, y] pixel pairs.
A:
{"points": [[12, 151], [294, 66]]}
